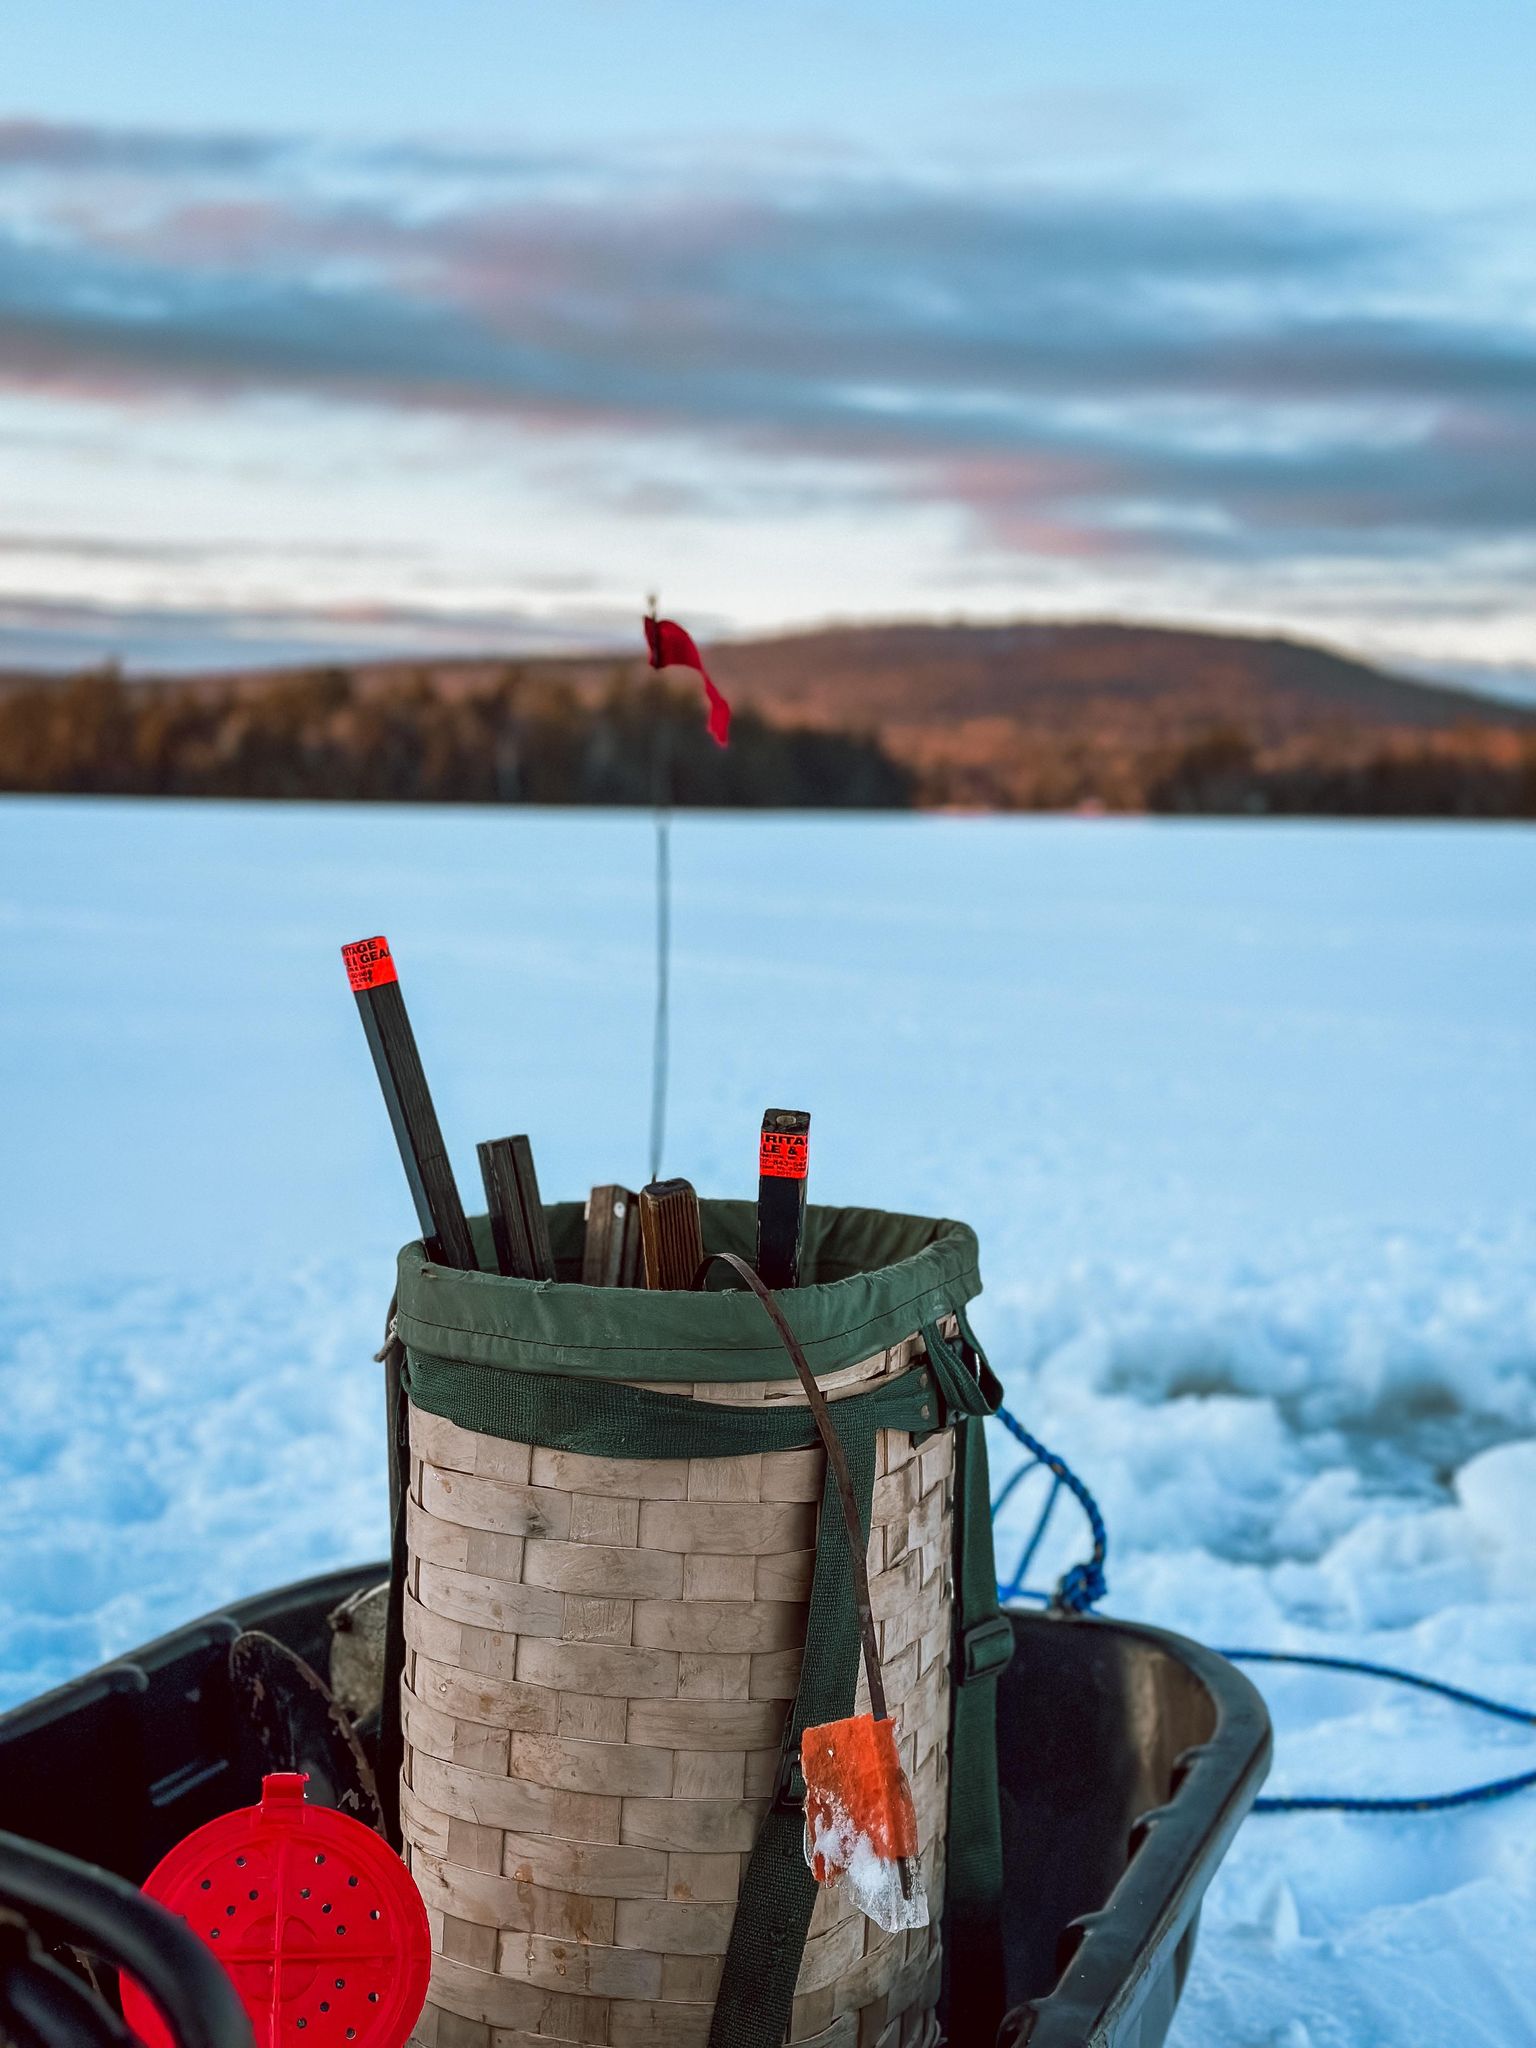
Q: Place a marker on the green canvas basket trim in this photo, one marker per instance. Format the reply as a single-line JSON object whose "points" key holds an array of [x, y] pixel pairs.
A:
{"points": [[872, 1278]]}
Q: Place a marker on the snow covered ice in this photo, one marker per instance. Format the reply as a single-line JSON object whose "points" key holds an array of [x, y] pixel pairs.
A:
{"points": [[1244, 1115]]}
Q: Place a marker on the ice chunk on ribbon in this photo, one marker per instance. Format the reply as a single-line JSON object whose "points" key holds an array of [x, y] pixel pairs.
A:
{"points": [[860, 1823]]}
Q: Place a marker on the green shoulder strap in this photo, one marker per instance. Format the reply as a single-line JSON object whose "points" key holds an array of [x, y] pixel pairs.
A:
{"points": [[974, 1990], [762, 1960], [391, 1750]]}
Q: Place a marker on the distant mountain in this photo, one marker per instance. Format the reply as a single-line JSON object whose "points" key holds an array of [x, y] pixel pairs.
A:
{"points": [[1109, 678], [1037, 715]]}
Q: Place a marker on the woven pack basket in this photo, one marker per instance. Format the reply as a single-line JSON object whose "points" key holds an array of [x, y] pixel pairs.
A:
{"points": [[600, 1653]]}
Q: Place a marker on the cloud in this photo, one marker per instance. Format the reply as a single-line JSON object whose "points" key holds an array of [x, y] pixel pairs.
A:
{"points": [[72, 148], [61, 147], [42, 633], [1075, 374]]}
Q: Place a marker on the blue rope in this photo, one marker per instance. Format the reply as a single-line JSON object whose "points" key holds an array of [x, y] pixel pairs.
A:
{"points": [[1022, 1568], [1359, 1667], [1429, 1802], [1083, 1587]]}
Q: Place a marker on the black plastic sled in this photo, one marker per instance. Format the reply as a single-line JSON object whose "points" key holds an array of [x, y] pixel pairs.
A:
{"points": [[1129, 1757]]}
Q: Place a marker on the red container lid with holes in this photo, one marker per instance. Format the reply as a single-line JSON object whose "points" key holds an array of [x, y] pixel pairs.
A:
{"points": [[317, 1921]]}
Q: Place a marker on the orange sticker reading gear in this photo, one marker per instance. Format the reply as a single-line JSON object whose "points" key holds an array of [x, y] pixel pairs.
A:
{"points": [[784, 1155], [369, 964]]}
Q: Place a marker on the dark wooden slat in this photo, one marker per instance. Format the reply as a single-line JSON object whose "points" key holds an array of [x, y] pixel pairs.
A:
{"points": [[518, 1226], [509, 1233], [611, 1253], [534, 1220], [671, 1247]]}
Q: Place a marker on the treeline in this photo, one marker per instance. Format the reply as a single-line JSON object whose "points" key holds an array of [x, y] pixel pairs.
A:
{"points": [[512, 739], [1221, 770], [1459, 774], [530, 734]]}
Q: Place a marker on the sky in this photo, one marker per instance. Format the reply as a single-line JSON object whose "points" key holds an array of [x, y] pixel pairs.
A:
{"points": [[331, 329]]}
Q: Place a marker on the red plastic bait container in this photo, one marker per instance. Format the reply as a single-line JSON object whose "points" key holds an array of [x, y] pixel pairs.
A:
{"points": [[317, 1921]]}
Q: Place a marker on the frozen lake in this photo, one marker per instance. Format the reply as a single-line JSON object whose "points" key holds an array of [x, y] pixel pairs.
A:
{"points": [[1243, 1113]]}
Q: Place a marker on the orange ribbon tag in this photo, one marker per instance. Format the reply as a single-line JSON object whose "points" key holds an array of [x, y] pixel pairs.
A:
{"points": [[860, 1823]]}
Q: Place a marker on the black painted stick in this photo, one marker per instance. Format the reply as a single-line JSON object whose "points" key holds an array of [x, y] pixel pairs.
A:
{"points": [[375, 983], [783, 1162]]}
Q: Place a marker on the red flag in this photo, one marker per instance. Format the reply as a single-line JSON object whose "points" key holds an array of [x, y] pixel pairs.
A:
{"points": [[671, 647]]}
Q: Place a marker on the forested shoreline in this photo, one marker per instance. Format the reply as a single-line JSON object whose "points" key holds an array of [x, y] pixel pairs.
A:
{"points": [[317, 734], [518, 735]]}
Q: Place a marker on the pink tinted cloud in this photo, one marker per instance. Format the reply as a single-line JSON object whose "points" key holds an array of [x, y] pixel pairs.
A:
{"points": [[1033, 503], [945, 352]]}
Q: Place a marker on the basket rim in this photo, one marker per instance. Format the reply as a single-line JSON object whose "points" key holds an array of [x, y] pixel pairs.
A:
{"points": [[894, 1274]]}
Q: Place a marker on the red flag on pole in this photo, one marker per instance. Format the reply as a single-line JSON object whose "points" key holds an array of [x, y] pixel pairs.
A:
{"points": [[671, 647]]}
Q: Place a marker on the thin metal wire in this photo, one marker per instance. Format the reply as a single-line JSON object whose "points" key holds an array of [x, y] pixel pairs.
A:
{"points": [[661, 1030]]}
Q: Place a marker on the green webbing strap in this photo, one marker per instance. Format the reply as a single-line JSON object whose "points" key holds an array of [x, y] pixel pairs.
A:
{"points": [[604, 1419], [773, 1910], [391, 1750], [968, 1384], [973, 1885]]}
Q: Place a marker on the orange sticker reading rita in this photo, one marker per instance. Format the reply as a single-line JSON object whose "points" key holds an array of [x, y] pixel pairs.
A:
{"points": [[369, 964], [784, 1155]]}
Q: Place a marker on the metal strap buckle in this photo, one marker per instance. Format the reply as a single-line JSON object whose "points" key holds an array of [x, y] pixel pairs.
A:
{"points": [[789, 1785], [986, 1648]]}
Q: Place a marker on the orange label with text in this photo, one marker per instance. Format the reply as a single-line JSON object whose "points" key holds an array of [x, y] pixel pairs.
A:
{"points": [[784, 1155], [369, 964]]}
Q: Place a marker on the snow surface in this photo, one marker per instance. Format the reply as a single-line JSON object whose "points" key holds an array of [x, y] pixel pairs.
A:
{"points": [[1244, 1115]]}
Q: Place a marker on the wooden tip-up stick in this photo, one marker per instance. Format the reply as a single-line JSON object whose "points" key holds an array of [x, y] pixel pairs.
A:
{"points": [[376, 984], [671, 1245], [611, 1254], [518, 1225], [783, 1162]]}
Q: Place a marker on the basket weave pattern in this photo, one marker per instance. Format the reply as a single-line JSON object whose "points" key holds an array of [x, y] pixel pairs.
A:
{"points": [[600, 1656]]}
